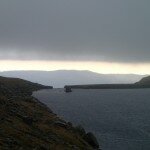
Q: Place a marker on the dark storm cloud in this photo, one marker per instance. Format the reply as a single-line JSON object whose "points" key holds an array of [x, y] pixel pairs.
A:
{"points": [[101, 30]]}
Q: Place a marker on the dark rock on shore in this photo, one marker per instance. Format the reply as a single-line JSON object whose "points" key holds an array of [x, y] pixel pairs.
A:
{"points": [[91, 139], [88, 137]]}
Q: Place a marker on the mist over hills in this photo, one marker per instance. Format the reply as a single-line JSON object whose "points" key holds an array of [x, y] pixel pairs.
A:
{"points": [[59, 78]]}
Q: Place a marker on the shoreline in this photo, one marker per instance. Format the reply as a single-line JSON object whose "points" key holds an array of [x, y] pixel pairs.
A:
{"points": [[64, 120]]}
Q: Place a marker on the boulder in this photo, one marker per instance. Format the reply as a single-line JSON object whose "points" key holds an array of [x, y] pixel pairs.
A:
{"points": [[91, 139], [80, 130]]}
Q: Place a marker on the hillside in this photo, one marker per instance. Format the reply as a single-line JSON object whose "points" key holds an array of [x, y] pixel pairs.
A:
{"points": [[26, 123], [144, 81], [17, 86], [60, 78]]}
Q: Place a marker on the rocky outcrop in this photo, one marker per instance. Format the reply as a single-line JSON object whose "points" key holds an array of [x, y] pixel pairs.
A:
{"points": [[88, 137], [91, 139]]}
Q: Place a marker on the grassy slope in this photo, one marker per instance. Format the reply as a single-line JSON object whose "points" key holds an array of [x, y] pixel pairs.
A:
{"points": [[25, 123]]}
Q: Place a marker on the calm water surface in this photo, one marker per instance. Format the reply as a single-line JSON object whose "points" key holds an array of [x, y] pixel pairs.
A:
{"points": [[120, 119]]}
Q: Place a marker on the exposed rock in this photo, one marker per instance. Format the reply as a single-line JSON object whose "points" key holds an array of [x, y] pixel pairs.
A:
{"points": [[91, 139], [80, 130], [61, 123], [70, 124]]}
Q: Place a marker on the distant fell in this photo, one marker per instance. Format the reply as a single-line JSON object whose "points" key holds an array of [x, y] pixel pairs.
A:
{"points": [[59, 78]]}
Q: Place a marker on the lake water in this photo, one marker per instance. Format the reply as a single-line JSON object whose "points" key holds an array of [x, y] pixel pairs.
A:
{"points": [[120, 119]]}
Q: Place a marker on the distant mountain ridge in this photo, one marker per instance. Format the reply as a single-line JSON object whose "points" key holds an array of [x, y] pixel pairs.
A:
{"points": [[60, 78]]}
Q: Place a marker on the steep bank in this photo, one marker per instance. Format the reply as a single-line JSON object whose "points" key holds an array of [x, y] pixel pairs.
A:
{"points": [[25, 123]]}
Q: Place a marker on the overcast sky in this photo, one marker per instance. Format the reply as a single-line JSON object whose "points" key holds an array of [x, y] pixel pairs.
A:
{"points": [[96, 30]]}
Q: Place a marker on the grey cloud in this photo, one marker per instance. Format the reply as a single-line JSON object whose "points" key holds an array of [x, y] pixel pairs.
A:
{"points": [[100, 30]]}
